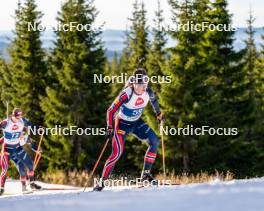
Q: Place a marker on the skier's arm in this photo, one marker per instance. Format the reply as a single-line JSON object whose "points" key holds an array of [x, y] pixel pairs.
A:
{"points": [[25, 139], [3, 124], [154, 101], [122, 98], [30, 124], [33, 145]]}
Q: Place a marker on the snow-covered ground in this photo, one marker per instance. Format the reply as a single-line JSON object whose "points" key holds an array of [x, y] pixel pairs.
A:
{"points": [[237, 195]]}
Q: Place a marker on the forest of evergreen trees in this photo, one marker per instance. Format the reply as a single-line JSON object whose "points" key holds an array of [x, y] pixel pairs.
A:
{"points": [[212, 85]]}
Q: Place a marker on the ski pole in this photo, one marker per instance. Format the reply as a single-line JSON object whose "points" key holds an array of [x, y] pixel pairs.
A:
{"points": [[38, 154], [163, 149], [7, 110], [96, 164]]}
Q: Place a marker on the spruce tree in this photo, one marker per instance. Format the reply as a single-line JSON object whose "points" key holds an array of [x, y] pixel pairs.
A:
{"points": [[178, 97], [157, 55], [115, 69], [27, 67], [259, 90], [251, 74], [259, 85], [73, 98], [138, 37], [234, 106], [260, 78], [260, 81], [4, 79], [226, 63]]}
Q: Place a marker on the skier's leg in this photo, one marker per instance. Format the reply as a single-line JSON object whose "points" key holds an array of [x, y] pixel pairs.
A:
{"points": [[122, 129], [144, 132], [26, 162], [4, 165], [117, 150], [22, 154], [29, 164], [21, 169]]}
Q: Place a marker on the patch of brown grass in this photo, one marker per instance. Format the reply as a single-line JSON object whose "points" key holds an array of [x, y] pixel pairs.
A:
{"points": [[80, 178], [201, 177], [74, 178]]}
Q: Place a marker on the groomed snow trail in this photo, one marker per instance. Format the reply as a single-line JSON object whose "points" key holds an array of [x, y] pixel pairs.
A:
{"points": [[236, 195]]}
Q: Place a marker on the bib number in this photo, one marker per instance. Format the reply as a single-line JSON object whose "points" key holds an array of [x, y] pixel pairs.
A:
{"points": [[137, 112]]}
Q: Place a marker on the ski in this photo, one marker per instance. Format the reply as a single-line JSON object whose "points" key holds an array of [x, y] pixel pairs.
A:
{"points": [[157, 186], [51, 189], [145, 186], [7, 194], [27, 192]]}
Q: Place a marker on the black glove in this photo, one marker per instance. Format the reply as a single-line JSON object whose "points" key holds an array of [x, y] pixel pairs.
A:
{"points": [[34, 146], [109, 132]]}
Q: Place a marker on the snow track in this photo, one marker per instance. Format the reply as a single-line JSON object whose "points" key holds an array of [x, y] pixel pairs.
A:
{"points": [[237, 195]]}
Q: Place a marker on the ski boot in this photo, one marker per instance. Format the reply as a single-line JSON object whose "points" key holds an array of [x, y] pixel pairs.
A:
{"points": [[35, 186], [2, 190], [146, 176], [25, 190], [32, 182], [99, 187]]}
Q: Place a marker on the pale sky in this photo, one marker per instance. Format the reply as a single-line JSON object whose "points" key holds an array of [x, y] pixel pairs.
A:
{"points": [[116, 12]]}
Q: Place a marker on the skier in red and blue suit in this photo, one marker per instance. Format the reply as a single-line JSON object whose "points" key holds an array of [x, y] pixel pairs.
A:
{"points": [[126, 110], [13, 140]]}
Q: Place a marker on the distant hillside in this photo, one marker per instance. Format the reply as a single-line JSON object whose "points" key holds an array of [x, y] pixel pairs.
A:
{"points": [[114, 40]]}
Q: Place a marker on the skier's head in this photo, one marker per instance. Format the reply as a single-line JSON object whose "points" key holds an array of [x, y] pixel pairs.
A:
{"points": [[140, 80], [17, 113]]}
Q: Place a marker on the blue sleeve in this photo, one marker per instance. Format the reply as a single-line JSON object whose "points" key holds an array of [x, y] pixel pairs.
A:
{"points": [[154, 101]]}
